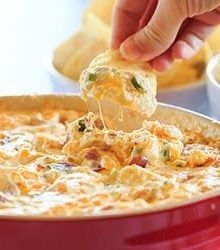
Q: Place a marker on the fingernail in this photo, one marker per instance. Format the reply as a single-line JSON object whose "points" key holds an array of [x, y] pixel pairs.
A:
{"points": [[187, 52], [130, 51], [181, 50]]}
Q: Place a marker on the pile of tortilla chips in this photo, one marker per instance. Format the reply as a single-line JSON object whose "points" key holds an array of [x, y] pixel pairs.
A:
{"points": [[76, 53]]}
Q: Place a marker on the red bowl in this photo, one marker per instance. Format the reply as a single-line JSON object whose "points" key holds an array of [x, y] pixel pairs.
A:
{"points": [[193, 226]]}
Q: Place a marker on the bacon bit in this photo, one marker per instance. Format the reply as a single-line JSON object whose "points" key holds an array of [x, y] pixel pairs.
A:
{"points": [[105, 147], [92, 155], [97, 168], [108, 207], [40, 167], [139, 160], [62, 119], [4, 140], [218, 162], [190, 140], [189, 177], [98, 123], [67, 164], [63, 166], [209, 162]]}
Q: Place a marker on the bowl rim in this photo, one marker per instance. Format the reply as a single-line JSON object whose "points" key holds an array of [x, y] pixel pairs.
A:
{"points": [[53, 71], [119, 214], [209, 70], [185, 87]]}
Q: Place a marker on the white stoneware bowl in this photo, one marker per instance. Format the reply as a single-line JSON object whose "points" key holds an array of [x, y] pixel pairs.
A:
{"points": [[213, 87]]}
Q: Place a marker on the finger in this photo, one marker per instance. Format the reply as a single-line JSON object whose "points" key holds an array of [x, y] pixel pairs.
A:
{"points": [[126, 18], [155, 38], [210, 18], [162, 62], [197, 7], [191, 39], [150, 9]]}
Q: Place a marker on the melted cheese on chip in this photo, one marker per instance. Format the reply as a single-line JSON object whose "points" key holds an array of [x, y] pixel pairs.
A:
{"points": [[130, 85]]}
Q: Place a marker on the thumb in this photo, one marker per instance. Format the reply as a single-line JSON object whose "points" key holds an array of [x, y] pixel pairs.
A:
{"points": [[157, 36]]}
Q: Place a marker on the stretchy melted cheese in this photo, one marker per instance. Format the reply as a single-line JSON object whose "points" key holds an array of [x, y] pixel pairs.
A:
{"points": [[60, 163], [131, 85]]}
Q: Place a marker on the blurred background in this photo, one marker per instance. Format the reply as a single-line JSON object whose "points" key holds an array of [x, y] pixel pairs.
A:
{"points": [[30, 30], [45, 45]]}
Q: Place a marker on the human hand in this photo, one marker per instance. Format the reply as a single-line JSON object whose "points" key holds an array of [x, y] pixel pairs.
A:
{"points": [[160, 31]]}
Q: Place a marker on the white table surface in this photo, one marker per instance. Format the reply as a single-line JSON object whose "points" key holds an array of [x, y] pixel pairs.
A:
{"points": [[30, 30]]}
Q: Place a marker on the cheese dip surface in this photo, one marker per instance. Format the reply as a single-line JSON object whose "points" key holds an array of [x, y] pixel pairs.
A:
{"points": [[61, 163]]}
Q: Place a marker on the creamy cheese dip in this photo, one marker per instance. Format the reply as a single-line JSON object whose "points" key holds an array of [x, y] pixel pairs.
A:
{"points": [[63, 163]]}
